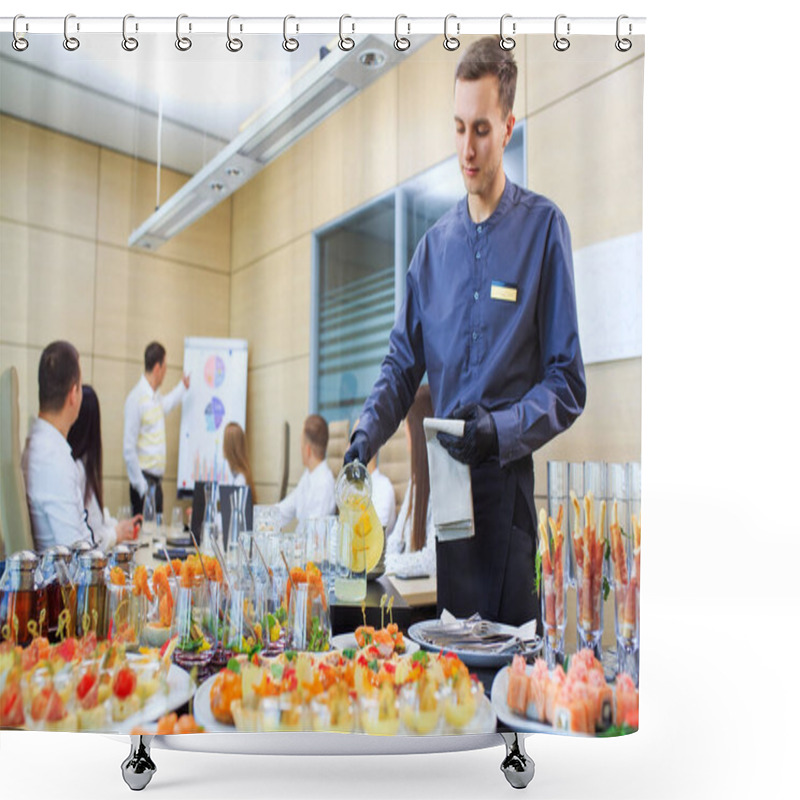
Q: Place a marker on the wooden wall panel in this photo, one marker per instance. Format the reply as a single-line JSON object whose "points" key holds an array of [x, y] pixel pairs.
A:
{"points": [[274, 208], [143, 297], [47, 282], [267, 300], [583, 154], [48, 180]]}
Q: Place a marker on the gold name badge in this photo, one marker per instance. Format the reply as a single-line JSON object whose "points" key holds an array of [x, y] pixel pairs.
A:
{"points": [[504, 291]]}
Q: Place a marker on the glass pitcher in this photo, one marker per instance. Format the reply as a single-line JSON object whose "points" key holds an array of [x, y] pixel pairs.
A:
{"points": [[361, 540]]}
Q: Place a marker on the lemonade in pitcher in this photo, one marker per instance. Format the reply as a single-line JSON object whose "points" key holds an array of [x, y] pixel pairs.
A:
{"points": [[360, 544]]}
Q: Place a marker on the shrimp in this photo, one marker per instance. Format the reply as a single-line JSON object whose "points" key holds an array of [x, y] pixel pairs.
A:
{"points": [[140, 585]]}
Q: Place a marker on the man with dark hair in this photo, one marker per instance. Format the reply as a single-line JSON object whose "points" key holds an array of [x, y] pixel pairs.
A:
{"points": [[144, 445], [314, 494], [52, 480], [490, 313]]}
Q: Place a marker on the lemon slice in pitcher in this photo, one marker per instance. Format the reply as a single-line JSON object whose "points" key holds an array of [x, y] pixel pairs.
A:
{"points": [[367, 541]]}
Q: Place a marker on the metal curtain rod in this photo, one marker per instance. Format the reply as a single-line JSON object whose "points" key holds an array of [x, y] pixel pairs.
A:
{"points": [[458, 26]]}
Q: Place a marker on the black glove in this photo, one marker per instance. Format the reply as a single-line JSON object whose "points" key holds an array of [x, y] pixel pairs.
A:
{"points": [[479, 441], [359, 449]]}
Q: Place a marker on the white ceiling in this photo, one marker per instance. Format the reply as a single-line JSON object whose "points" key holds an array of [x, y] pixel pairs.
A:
{"points": [[105, 95]]}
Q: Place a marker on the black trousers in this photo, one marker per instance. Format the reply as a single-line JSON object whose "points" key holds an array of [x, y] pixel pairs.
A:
{"points": [[493, 572], [137, 501]]}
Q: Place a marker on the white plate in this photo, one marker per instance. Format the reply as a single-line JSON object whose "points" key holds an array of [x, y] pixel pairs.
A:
{"points": [[484, 721], [347, 641], [514, 720], [472, 658], [179, 691], [202, 709]]}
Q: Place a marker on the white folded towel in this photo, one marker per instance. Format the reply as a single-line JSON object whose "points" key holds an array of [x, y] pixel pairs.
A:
{"points": [[451, 484]]}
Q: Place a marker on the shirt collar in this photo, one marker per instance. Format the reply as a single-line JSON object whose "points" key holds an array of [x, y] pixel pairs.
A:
{"points": [[146, 387], [506, 200], [51, 433]]}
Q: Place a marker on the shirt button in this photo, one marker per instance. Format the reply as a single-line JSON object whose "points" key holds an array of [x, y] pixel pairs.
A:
{"points": [[474, 335], [477, 255], [476, 295], [480, 228]]}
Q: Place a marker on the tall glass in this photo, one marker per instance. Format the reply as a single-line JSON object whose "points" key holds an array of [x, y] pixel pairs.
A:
{"points": [[149, 522], [627, 577], [592, 546], [558, 487], [575, 519], [194, 621], [552, 552], [209, 518]]}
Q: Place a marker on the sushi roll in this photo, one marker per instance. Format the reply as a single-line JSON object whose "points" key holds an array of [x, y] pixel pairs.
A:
{"points": [[517, 697]]}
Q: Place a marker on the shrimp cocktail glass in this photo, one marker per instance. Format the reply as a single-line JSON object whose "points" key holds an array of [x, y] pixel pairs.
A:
{"points": [[551, 576]]}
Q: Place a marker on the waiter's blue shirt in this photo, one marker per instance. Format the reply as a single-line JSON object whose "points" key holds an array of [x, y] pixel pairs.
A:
{"points": [[490, 314]]}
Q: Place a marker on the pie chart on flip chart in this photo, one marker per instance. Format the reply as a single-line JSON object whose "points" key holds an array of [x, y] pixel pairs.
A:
{"points": [[214, 372], [215, 412]]}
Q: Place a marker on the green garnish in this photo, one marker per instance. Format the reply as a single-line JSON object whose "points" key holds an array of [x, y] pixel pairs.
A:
{"points": [[606, 588], [281, 615], [421, 656], [538, 566], [349, 653], [233, 666], [290, 655], [608, 550]]}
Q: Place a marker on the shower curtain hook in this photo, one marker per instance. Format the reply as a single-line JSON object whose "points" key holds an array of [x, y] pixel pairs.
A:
{"points": [[183, 43], [19, 42], [129, 43], [561, 43], [70, 42], [507, 42], [401, 42], [233, 44], [289, 45], [451, 43], [623, 45], [345, 42]]}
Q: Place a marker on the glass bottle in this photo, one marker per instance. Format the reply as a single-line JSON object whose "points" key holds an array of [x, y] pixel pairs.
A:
{"points": [[23, 612], [59, 592], [90, 609]]}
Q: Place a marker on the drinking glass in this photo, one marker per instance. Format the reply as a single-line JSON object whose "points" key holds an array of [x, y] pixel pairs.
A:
{"points": [[177, 522], [308, 625], [592, 571], [553, 550], [575, 518]]}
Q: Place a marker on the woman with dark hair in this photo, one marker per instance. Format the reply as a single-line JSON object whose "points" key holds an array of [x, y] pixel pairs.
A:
{"points": [[411, 546], [87, 450]]}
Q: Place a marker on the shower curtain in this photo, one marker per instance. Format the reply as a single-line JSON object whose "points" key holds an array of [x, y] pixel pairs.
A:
{"points": [[362, 223]]}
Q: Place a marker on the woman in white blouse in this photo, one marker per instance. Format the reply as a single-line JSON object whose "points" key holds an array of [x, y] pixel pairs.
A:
{"points": [[411, 546], [87, 450]]}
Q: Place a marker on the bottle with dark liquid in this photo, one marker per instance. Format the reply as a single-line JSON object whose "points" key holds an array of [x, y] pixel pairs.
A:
{"points": [[59, 592], [90, 610], [23, 615]]}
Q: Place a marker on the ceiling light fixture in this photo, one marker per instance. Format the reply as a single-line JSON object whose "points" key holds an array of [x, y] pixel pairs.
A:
{"points": [[314, 95]]}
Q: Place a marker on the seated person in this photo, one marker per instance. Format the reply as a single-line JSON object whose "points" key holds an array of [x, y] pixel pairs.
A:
{"points": [[87, 450], [234, 451], [411, 546], [382, 493], [52, 479], [314, 494]]}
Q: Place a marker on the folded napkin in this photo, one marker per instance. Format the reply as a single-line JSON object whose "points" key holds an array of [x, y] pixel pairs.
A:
{"points": [[526, 631], [451, 484]]}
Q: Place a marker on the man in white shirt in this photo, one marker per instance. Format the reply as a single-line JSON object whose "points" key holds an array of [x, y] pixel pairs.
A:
{"points": [[52, 480], [144, 445], [314, 495]]}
